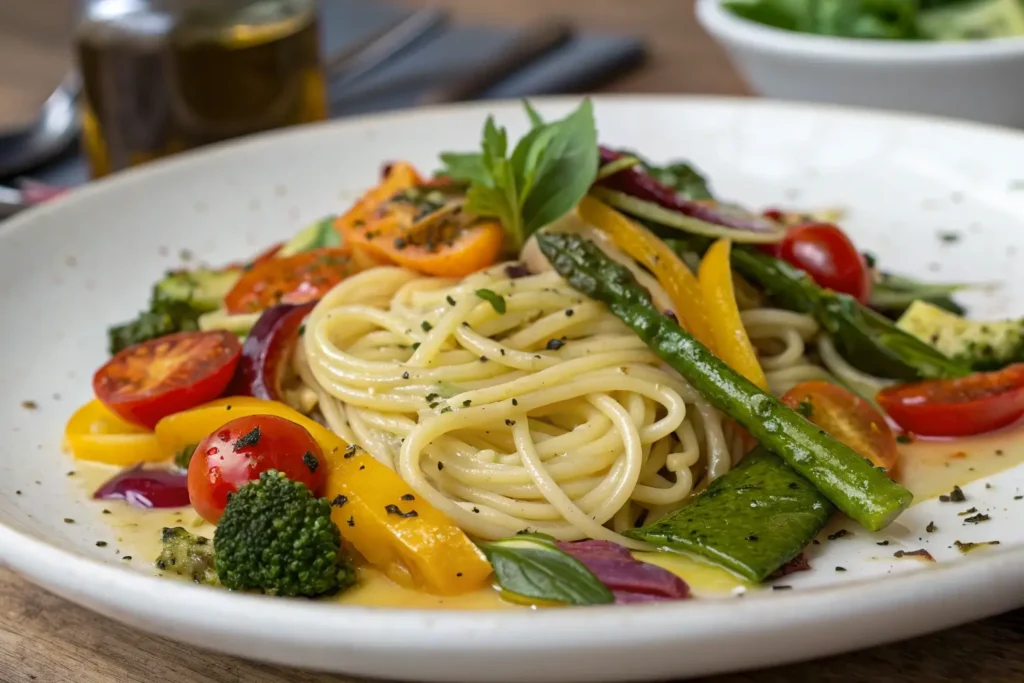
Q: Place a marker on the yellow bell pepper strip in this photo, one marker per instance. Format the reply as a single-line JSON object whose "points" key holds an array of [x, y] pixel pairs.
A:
{"points": [[426, 550], [672, 274], [97, 434], [189, 427], [413, 542], [731, 341]]}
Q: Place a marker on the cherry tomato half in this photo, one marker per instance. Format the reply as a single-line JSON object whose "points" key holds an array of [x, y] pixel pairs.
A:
{"points": [[306, 276], [848, 418], [958, 407], [151, 380], [241, 450], [829, 257]]}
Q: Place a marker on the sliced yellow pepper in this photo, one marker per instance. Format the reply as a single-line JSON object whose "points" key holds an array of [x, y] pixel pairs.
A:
{"points": [[425, 551], [673, 275], [97, 434], [189, 427], [422, 550], [731, 341]]}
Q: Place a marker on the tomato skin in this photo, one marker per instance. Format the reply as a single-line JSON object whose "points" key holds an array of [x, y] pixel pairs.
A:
{"points": [[241, 450], [975, 404], [825, 253], [148, 381], [848, 418], [297, 279]]}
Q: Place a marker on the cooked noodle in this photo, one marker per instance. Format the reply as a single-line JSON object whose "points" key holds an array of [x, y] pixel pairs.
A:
{"points": [[515, 404]]}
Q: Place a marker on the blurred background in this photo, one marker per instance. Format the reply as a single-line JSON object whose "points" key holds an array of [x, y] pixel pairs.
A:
{"points": [[91, 87]]}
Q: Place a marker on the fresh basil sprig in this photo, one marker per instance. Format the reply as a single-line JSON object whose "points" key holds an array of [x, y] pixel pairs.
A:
{"points": [[532, 566], [547, 174]]}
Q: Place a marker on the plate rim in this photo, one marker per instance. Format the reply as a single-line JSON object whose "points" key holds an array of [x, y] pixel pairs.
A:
{"points": [[126, 593]]}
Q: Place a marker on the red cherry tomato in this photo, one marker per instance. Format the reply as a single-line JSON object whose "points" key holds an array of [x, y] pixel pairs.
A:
{"points": [[848, 418], [241, 450], [958, 407], [829, 257], [306, 276], [151, 380]]}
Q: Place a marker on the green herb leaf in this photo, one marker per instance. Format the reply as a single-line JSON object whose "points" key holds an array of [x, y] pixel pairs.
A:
{"points": [[535, 118], [496, 301], [463, 167], [549, 171], [534, 567], [565, 169]]}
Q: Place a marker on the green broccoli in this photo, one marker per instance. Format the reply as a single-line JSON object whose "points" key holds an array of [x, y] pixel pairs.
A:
{"points": [[188, 555], [277, 537]]}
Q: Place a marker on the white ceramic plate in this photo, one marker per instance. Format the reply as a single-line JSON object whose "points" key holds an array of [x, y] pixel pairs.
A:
{"points": [[69, 269]]}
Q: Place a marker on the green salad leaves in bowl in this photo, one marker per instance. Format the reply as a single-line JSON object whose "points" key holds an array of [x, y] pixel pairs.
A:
{"points": [[953, 58]]}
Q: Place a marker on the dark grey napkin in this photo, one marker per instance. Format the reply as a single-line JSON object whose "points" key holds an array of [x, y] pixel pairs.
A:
{"points": [[582, 64]]}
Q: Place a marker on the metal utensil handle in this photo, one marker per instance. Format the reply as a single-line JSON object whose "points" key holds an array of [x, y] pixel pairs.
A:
{"points": [[531, 44], [352, 63]]}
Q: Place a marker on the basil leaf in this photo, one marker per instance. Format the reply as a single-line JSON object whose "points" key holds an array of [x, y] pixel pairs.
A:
{"points": [[565, 169], [496, 301], [534, 567], [535, 119], [550, 170], [464, 167]]}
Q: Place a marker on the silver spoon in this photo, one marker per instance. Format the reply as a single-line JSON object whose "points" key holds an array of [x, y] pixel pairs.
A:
{"points": [[56, 127]]}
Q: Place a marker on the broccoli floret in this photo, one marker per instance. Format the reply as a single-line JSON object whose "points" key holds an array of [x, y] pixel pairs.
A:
{"points": [[276, 537], [188, 555]]}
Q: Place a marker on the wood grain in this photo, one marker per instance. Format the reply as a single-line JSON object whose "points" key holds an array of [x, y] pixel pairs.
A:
{"points": [[44, 638]]}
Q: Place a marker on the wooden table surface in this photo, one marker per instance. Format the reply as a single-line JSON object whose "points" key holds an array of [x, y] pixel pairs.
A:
{"points": [[44, 638]]}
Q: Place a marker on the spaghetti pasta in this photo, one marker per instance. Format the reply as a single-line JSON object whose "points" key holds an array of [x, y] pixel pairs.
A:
{"points": [[515, 404]]}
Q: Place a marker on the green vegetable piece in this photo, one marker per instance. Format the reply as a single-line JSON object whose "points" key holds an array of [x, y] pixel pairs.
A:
{"points": [[848, 480], [183, 457], [239, 323], [316, 236], [202, 289], [873, 19], [548, 172], [893, 294], [187, 555], [276, 537], [751, 520], [983, 346], [532, 566], [176, 304], [863, 337], [496, 301], [966, 20]]}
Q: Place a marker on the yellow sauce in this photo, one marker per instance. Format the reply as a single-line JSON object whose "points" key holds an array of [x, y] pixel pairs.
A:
{"points": [[927, 469]]}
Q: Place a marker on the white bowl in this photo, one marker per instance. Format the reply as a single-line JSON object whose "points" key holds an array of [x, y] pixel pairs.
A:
{"points": [[977, 80]]}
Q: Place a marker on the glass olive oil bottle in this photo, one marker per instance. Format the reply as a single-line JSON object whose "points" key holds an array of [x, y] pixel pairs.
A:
{"points": [[162, 76]]}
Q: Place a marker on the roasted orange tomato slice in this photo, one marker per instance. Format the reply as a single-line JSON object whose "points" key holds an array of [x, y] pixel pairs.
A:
{"points": [[848, 418], [420, 226], [297, 279]]}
